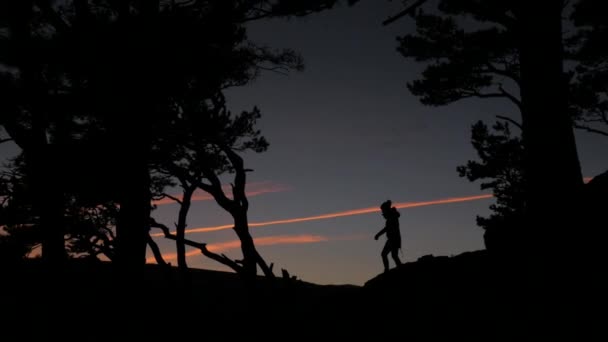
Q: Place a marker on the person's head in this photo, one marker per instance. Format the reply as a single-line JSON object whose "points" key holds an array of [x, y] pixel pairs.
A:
{"points": [[386, 207]]}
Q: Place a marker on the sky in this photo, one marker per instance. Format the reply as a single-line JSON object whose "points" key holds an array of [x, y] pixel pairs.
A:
{"points": [[345, 135]]}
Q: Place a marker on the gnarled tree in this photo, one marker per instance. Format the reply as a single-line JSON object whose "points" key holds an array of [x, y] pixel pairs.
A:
{"points": [[212, 138]]}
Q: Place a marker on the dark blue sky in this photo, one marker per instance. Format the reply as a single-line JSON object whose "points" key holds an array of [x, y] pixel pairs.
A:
{"points": [[346, 134]]}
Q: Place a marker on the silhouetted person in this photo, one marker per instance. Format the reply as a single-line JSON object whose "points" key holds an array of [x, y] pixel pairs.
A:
{"points": [[393, 236]]}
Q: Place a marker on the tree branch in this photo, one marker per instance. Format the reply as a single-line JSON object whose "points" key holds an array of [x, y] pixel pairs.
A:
{"points": [[240, 178], [517, 124], [403, 13], [158, 256], [502, 72], [265, 268], [591, 129], [223, 259], [171, 197], [501, 94], [510, 96], [215, 189], [278, 69], [2, 141], [467, 94]]}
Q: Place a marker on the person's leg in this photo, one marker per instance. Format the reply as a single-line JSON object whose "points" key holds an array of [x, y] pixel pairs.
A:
{"points": [[384, 254], [395, 255]]}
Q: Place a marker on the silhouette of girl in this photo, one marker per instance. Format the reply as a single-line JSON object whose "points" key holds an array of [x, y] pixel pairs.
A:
{"points": [[393, 235]]}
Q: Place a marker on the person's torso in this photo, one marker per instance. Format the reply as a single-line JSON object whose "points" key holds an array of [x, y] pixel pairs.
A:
{"points": [[392, 228]]}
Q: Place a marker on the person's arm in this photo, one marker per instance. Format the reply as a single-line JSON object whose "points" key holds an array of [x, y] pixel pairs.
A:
{"points": [[380, 233]]}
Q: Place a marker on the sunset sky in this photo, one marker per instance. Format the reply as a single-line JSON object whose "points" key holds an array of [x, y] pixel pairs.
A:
{"points": [[345, 135]]}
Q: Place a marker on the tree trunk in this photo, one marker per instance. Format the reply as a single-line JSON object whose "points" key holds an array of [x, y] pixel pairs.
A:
{"points": [[551, 163], [52, 225], [48, 199], [250, 254], [47, 194], [251, 257], [48, 204], [158, 255], [133, 221], [181, 228]]}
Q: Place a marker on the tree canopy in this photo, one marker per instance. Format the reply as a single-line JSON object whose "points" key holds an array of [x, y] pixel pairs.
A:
{"points": [[517, 51], [82, 78]]}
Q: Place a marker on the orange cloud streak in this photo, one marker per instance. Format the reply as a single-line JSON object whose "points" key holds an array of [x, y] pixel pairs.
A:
{"points": [[362, 211], [261, 241], [255, 190]]}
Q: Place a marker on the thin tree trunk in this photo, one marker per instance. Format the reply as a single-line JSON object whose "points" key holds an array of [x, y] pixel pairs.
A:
{"points": [[158, 255], [249, 254], [181, 227], [251, 257]]}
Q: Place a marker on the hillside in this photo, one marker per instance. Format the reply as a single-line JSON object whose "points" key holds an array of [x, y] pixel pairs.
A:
{"points": [[463, 293]]}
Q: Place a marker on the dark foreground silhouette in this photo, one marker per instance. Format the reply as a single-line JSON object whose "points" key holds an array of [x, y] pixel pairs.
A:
{"points": [[437, 296]]}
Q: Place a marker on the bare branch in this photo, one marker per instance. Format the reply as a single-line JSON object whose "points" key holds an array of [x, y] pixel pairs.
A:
{"points": [[158, 256], [2, 141], [501, 94], [171, 197], [467, 94], [235, 159], [265, 268], [216, 191], [164, 228], [591, 129], [214, 188], [223, 259], [206, 187], [278, 69], [403, 13], [517, 124], [510, 96], [238, 188], [491, 68]]}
